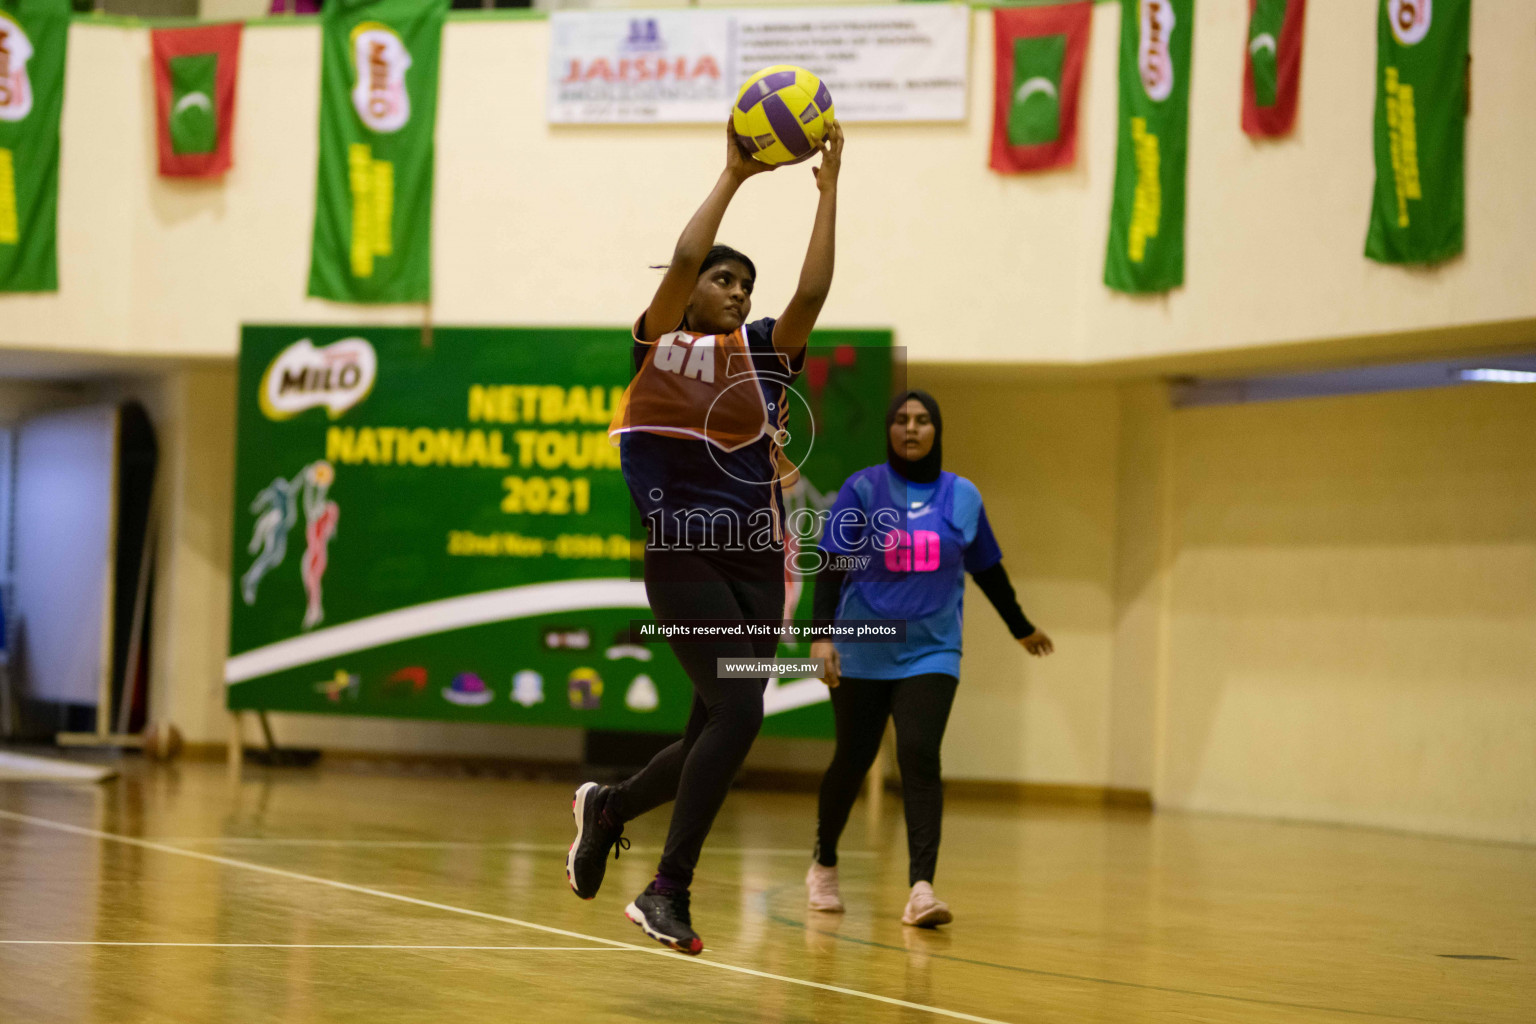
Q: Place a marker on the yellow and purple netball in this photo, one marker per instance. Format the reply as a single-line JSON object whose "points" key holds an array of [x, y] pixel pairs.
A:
{"points": [[781, 114]]}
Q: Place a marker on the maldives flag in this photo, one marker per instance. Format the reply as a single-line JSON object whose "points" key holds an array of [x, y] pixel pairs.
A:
{"points": [[1272, 72], [1039, 68], [195, 97]]}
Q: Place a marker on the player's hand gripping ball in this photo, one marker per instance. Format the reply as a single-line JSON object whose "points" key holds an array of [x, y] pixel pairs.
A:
{"points": [[781, 114]]}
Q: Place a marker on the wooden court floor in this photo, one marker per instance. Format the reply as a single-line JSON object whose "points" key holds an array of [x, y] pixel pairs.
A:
{"points": [[175, 894]]}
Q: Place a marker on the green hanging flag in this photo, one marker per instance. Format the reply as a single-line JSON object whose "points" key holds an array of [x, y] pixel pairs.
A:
{"points": [[1035, 58], [1265, 27], [378, 113], [1422, 50], [1146, 223], [195, 129], [33, 36]]}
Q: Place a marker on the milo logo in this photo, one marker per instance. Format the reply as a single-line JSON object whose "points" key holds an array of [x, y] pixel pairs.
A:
{"points": [[1409, 19], [379, 63], [15, 86], [337, 376], [1154, 58]]}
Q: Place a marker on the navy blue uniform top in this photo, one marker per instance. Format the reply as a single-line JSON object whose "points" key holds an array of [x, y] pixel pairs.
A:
{"points": [[697, 477]]}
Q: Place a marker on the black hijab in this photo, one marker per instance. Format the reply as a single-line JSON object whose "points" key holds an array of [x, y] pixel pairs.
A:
{"points": [[926, 469]]}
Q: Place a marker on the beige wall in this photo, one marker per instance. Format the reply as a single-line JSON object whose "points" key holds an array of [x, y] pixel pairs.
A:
{"points": [[227, 10], [1351, 626], [1276, 230], [1043, 457], [1320, 609], [1140, 583], [536, 224]]}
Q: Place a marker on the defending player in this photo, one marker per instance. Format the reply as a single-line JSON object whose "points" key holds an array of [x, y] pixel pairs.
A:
{"points": [[917, 573]]}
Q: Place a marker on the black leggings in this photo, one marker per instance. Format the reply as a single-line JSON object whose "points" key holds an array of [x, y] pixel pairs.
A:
{"points": [[698, 769], [920, 705]]}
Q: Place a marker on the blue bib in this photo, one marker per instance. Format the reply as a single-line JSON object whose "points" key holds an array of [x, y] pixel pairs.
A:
{"points": [[917, 564]]}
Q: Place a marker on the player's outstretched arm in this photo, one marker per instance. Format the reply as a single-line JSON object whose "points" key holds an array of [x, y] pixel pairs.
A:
{"points": [[794, 327], [1038, 644], [671, 299]]}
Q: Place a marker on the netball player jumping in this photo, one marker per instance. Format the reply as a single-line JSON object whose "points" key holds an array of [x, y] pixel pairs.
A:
{"points": [[701, 427]]}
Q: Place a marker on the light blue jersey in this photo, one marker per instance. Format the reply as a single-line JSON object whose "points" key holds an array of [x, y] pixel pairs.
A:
{"points": [[944, 535]]}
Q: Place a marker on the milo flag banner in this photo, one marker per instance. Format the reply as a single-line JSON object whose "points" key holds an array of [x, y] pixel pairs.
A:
{"points": [[195, 71], [1272, 71], [444, 531], [1039, 62], [1421, 121], [1146, 224], [378, 113], [33, 35]]}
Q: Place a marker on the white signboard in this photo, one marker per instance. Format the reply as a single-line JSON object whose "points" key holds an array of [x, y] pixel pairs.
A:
{"points": [[896, 63]]}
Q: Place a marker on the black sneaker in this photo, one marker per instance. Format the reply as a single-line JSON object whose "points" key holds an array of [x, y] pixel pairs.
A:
{"points": [[588, 856], [663, 915]]}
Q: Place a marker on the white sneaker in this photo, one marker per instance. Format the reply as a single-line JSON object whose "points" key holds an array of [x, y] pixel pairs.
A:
{"points": [[924, 909], [821, 889]]}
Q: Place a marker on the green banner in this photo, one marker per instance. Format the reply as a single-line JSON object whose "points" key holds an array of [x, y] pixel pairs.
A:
{"points": [[1146, 223], [33, 38], [442, 531], [378, 114], [1422, 50]]}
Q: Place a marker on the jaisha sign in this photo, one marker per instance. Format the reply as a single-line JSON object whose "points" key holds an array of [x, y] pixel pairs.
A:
{"points": [[882, 61], [337, 376], [642, 56], [622, 67], [380, 61], [641, 69], [15, 86], [1153, 56]]}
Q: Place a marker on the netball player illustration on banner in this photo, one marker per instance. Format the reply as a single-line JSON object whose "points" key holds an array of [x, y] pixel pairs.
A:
{"points": [[320, 516], [928, 529], [700, 453], [276, 513]]}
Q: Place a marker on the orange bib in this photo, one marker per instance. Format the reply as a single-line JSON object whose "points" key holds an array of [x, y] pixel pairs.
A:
{"points": [[700, 386]]}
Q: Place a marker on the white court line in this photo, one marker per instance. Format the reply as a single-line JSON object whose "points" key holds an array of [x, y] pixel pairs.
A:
{"points": [[423, 844], [312, 945], [27, 819]]}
